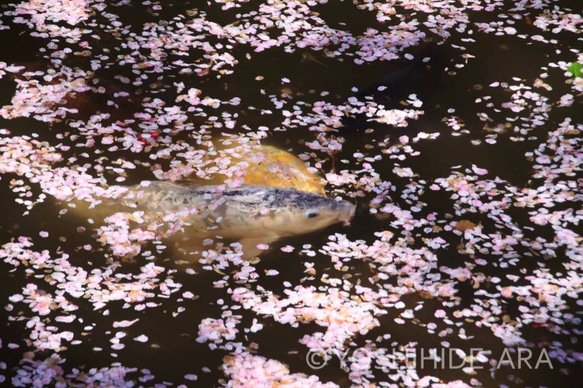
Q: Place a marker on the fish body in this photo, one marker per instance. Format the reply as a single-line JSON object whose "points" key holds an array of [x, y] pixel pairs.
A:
{"points": [[249, 211], [270, 166]]}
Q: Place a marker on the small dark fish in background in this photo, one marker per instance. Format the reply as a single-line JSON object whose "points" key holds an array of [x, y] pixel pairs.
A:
{"points": [[424, 76], [427, 67]]}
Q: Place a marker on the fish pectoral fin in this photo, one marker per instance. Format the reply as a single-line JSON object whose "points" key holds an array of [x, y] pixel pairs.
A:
{"points": [[250, 245]]}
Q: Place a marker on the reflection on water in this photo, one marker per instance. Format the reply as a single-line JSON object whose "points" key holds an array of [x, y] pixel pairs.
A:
{"points": [[451, 126]]}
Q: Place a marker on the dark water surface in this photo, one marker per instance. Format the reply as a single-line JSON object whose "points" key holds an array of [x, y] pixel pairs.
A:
{"points": [[483, 202]]}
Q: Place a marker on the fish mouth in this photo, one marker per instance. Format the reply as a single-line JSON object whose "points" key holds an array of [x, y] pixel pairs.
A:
{"points": [[346, 212]]}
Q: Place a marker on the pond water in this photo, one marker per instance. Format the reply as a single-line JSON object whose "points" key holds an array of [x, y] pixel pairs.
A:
{"points": [[454, 126]]}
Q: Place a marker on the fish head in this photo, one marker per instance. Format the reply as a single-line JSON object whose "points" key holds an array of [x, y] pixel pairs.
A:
{"points": [[295, 212]]}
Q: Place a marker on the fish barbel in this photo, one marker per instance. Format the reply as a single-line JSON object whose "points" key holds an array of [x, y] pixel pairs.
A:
{"points": [[249, 211]]}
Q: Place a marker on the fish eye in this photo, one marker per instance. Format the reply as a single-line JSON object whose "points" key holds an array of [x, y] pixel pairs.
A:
{"points": [[311, 213]]}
